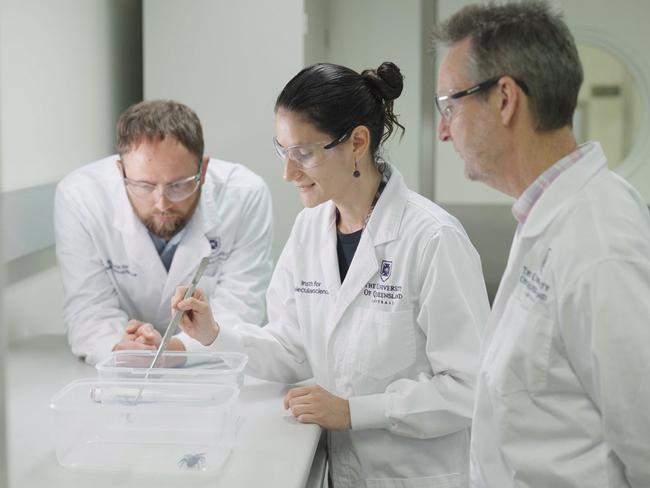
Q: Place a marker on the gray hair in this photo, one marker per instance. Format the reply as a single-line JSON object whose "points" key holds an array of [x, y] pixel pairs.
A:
{"points": [[530, 43], [154, 120]]}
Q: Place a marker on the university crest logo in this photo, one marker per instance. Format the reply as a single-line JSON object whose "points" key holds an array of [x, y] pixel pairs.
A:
{"points": [[214, 244], [386, 269]]}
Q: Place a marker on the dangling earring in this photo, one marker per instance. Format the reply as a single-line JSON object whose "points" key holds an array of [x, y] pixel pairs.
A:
{"points": [[356, 172]]}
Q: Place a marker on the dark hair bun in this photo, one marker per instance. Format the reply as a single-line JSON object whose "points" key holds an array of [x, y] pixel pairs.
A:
{"points": [[387, 80]]}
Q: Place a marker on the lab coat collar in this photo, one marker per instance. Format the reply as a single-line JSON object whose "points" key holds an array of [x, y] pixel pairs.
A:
{"points": [[563, 187], [386, 219], [193, 247], [124, 219], [211, 197], [137, 244]]}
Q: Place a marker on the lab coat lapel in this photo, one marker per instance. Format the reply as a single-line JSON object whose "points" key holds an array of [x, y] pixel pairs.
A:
{"points": [[510, 278], [565, 185], [138, 246], [193, 247], [329, 256], [364, 265]]}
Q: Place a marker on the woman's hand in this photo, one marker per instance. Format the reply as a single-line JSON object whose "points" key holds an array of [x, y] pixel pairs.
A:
{"points": [[315, 405], [197, 321]]}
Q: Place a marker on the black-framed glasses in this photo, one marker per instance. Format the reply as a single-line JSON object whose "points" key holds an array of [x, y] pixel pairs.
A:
{"points": [[446, 103], [175, 191], [307, 156]]}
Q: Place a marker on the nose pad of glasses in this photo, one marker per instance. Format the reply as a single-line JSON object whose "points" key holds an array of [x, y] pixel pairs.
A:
{"points": [[161, 200]]}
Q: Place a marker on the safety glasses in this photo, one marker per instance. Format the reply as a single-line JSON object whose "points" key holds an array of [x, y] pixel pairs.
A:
{"points": [[175, 191], [446, 104], [307, 156]]}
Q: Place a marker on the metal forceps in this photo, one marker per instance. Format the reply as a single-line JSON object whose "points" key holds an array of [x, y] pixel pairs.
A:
{"points": [[173, 323]]}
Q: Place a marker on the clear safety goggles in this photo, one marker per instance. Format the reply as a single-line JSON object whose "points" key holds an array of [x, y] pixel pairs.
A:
{"points": [[175, 191], [307, 156], [446, 104]]}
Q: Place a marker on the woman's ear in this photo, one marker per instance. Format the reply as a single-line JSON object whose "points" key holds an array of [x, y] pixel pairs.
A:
{"points": [[360, 139]]}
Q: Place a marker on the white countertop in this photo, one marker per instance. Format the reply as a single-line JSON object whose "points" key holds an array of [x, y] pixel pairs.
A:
{"points": [[272, 449]]}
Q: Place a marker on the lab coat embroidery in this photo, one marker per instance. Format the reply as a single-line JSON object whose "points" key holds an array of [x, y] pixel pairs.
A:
{"points": [[535, 286], [217, 253], [311, 287], [383, 294], [386, 269], [122, 269]]}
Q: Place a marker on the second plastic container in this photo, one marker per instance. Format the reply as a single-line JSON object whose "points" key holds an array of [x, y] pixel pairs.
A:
{"points": [[174, 426], [224, 368]]}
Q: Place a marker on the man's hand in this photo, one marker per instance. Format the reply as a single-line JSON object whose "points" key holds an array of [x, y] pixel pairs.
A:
{"points": [[138, 335], [315, 405], [147, 335], [142, 336]]}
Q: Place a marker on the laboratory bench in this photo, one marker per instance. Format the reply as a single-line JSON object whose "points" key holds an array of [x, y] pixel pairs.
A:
{"points": [[272, 449]]}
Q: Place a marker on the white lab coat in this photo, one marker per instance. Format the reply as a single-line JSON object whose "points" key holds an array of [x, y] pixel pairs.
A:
{"points": [[563, 394], [112, 272], [399, 338]]}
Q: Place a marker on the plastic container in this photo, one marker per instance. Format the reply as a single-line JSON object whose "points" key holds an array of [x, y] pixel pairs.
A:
{"points": [[173, 428], [225, 368]]}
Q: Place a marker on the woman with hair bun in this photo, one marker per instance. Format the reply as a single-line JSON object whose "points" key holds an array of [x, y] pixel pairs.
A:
{"points": [[378, 294]]}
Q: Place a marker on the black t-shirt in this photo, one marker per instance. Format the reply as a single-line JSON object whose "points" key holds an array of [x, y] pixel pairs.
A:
{"points": [[346, 246]]}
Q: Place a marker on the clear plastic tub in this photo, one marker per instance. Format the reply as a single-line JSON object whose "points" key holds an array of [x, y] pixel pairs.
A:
{"points": [[174, 427], [226, 368]]}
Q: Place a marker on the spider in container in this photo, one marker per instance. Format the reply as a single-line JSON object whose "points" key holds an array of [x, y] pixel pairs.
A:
{"points": [[192, 461]]}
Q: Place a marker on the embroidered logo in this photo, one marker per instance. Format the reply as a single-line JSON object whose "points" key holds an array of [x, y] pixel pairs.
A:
{"points": [[311, 287], [386, 269], [122, 269], [217, 251]]}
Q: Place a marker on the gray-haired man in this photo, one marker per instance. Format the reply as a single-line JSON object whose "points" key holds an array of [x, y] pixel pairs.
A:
{"points": [[563, 394]]}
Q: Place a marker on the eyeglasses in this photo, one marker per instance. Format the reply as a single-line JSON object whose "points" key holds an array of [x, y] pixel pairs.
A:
{"points": [[446, 104], [307, 156], [175, 191]]}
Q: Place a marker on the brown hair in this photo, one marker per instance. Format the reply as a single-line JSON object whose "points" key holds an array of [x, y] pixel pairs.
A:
{"points": [[154, 120]]}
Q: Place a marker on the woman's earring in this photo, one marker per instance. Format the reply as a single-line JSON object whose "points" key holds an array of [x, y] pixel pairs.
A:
{"points": [[356, 172]]}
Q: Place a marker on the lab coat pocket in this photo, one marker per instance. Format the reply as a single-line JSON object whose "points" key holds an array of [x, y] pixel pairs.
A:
{"points": [[518, 356], [443, 481], [386, 342]]}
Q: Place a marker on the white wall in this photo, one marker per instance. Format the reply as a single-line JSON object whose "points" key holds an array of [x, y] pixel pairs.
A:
{"points": [[365, 33], [605, 118], [228, 61], [68, 69], [620, 28]]}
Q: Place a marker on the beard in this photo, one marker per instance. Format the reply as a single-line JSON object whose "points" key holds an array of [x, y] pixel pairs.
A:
{"points": [[166, 230]]}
